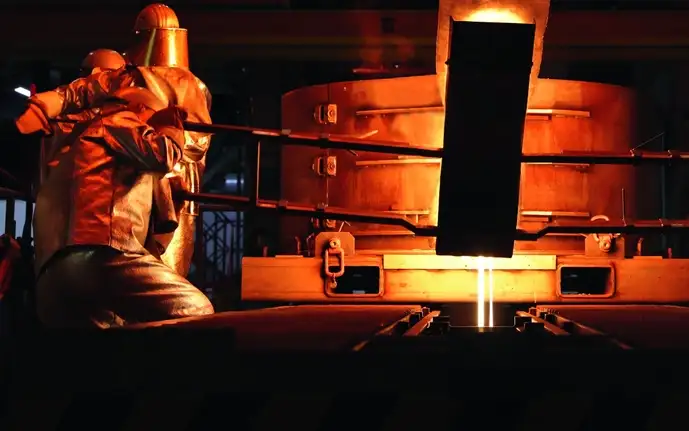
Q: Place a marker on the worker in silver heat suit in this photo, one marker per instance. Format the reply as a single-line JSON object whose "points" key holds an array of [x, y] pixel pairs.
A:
{"points": [[158, 61], [96, 61], [93, 213]]}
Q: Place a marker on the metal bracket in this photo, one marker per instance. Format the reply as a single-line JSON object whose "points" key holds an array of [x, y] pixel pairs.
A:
{"points": [[325, 166], [323, 224], [325, 114], [322, 242], [334, 249], [330, 224], [604, 244]]}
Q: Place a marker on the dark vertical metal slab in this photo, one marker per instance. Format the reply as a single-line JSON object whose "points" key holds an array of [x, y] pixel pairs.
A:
{"points": [[487, 91]]}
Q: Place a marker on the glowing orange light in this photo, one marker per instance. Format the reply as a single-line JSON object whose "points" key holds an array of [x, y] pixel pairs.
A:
{"points": [[502, 11], [482, 264], [480, 293], [490, 292], [495, 15]]}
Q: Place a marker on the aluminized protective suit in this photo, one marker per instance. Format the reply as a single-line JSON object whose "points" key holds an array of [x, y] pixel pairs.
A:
{"points": [[160, 46], [92, 222], [159, 62], [101, 59], [174, 86], [158, 39], [96, 61]]}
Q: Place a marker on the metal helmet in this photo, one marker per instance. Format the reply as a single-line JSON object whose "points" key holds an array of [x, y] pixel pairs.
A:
{"points": [[138, 96], [101, 59], [159, 41]]}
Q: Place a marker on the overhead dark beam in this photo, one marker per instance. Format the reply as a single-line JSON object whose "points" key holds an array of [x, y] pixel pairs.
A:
{"points": [[338, 35]]}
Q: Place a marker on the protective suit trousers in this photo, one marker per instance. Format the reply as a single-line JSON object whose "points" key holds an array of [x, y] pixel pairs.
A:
{"points": [[99, 287]]}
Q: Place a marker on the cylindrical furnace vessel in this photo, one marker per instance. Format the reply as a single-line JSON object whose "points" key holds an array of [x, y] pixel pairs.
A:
{"points": [[563, 116]]}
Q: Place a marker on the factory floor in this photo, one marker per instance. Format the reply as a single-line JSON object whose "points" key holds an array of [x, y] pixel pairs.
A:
{"points": [[341, 327], [406, 382], [305, 327], [640, 326]]}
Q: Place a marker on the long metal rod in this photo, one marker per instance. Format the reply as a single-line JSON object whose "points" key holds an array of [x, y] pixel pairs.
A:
{"points": [[422, 324], [380, 217], [608, 158], [576, 328], [663, 191], [286, 137], [659, 226], [325, 141], [555, 330], [387, 330], [334, 213]]}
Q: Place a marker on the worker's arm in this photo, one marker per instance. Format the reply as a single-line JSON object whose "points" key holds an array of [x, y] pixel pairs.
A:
{"points": [[197, 144], [83, 93], [154, 147]]}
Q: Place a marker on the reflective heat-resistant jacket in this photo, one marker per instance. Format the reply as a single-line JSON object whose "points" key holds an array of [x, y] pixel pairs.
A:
{"points": [[175, 86], [50, 144], [98, 186]]}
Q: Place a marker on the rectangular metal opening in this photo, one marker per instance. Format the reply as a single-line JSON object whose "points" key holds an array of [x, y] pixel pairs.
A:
{"points": [[586, 281], [357, 281]]}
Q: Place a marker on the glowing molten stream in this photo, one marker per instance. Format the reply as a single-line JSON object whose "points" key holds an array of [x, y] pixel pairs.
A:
{"points": [[483, 264]]}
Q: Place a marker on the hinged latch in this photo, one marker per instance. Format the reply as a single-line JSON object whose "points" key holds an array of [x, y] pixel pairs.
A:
{"points": [[325, 113], [325, 166]]}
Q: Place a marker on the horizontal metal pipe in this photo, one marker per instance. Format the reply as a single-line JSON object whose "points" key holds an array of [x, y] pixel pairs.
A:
{"points": [[379, 217], [334, 213], [630, 227], [607, 158], [286, 137], [219, 202]]}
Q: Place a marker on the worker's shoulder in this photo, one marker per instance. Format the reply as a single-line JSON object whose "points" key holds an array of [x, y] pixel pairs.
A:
{"points": [[181, 80], [170, 75], [165, 70]]}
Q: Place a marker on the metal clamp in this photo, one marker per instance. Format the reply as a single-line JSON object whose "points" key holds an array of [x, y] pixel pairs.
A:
{"points": [[325, 166], [325, 114], [323, 224], [607, 240], [334, 249]]}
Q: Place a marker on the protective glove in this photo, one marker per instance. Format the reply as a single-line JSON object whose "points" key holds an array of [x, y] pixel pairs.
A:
{"points": [[170, 117], [33, 120]]}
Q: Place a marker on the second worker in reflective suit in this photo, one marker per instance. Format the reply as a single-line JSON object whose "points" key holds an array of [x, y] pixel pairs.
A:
{"points": [[95, 206]]}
